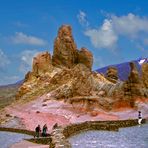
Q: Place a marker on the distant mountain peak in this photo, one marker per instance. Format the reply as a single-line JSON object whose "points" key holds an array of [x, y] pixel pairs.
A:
{"points": [[142, 60]]}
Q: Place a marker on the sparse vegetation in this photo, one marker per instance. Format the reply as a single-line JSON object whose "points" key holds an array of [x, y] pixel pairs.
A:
{"points": [[7, 95]]}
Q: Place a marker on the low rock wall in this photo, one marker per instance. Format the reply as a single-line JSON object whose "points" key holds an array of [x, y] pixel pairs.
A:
{"points": [[59, 135], [22, 131]]}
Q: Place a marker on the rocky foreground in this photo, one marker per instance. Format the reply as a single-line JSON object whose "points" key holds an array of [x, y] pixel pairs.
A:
{"points": [[63, 89]]}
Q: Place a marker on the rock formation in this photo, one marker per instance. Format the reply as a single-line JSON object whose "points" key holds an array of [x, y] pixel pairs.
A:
{"points": [[112, 74], [65, 50], [66, 53], [145, 74], [78, 81], [41, 63], [134, 85], [85, 57], [67, 75]]}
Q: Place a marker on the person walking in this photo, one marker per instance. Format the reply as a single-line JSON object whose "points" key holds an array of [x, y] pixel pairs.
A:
{"points": [[37, 131], [139, 117], [44, 130]]}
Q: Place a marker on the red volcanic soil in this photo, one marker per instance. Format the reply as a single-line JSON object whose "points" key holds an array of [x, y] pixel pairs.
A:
{"points": [[43, 111]]}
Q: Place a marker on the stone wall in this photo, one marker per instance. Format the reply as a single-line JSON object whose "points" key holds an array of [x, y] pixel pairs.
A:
{"points": [[59, 135], [59, 139], [22, 131]]}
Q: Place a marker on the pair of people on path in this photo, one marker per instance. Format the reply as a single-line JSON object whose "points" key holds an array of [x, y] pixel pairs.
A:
{"points": [[38, 131]]}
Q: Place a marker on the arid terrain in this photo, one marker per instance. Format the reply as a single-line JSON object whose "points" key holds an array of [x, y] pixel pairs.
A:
{"points": [[63, 89]]}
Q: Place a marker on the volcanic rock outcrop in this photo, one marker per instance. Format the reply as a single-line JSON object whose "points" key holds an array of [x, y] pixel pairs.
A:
{"points": [[66, 63], [85, 57], [133, 85], [112, 74], [41, 63], [67, 75], [66, 53], [65, 50], [145, 74]]}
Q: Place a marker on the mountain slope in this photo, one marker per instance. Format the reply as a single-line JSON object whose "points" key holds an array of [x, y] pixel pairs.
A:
{"points": [[8, 92], [124, 68]]}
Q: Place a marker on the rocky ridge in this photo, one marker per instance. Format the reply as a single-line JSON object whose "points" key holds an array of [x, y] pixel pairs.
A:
{"points": [[67, 75]]}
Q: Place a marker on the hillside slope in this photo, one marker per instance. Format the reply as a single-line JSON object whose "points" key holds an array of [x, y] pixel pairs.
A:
{"points": [[7, 93], [124, 68]]}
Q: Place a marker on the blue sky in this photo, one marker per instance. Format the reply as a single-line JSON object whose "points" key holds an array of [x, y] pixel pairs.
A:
{"points": [[114, 31]]}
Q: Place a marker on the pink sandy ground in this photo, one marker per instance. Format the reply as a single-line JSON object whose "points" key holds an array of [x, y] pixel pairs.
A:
{"points": [[45, 111]]}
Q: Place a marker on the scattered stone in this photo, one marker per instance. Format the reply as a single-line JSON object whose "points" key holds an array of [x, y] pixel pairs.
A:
{"points": [[44, 104], [8, 115]]}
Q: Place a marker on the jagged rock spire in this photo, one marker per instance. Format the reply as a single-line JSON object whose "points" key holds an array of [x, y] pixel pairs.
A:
{"points": [[65, 52]]}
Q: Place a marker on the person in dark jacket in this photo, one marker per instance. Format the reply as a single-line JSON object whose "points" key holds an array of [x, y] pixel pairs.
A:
{"points": [[44, 130], [37, 131]]}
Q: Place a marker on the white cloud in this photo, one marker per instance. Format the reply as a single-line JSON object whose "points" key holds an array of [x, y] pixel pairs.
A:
{"points": [[130, 26], [103, 37], [3, 59], [82, 18], [21, 38], [26, 60]]}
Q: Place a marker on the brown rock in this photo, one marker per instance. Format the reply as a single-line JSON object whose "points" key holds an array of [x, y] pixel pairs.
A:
{"points": [[68, 75], [112, 74], [41, 63], [134, 74], [65, 52], [94, 113], [22, 90], [71, 82], [133, 86], [122, 104], [78, 81], [29, 76], [82, 83], [145, 74], [85, 57]]}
